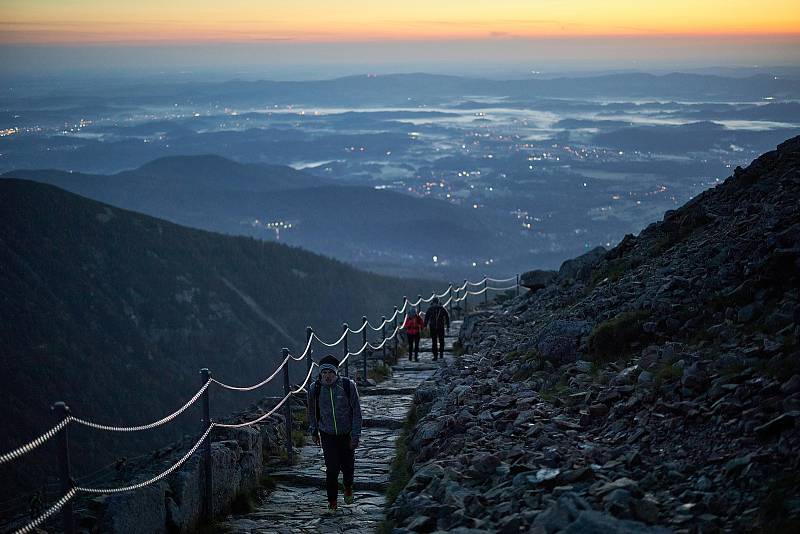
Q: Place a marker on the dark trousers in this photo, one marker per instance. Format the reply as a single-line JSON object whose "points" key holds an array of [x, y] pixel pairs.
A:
{"points": [[338, 457], [413, 345], [437, 343]]}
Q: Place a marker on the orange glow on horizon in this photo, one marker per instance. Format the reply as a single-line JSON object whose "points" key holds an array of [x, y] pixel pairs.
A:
{"points": [[236, 21]]}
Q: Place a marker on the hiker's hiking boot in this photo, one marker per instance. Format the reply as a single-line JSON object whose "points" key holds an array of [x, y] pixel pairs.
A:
{"points": [[348, 495], [331, 510]]}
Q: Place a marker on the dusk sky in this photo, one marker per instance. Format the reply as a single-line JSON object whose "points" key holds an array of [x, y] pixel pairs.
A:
{"points": [[252, 34]]}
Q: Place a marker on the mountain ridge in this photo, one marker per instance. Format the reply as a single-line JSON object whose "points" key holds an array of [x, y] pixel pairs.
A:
{"points": [[341, 221], [115, 312]]}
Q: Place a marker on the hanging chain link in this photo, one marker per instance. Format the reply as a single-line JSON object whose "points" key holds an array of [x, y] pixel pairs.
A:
{"points": [[154, 424], [31, 445], [30, 527], [156, 478]]}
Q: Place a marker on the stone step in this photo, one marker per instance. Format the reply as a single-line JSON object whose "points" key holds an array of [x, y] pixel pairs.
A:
{"points": [[299, 509], [387, 390], [381, 422], [379, 483], [419, 366], [373, 460]]}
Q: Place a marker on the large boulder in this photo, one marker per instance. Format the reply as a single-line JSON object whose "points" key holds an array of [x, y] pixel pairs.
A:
{"points": [[580, 268], [225, 472], [470, 327], [185, 500], [536, 279], [558, 341], [136, 511]]}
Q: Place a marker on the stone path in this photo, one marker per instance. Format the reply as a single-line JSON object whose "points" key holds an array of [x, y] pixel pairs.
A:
{"points": [[299, 498]]}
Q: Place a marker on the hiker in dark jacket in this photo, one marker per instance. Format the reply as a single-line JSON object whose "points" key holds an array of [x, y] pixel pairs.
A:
{"points": [[334, 415], [412, 325], [437, 319]]}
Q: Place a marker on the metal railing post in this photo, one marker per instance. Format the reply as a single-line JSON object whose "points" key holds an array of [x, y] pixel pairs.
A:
{"points": [[517, 285], [396, 332], [288, 408], [485, 290], [466, 296], [450, 305], [309, 359], [383, 339], [62, 412], [364, 345], [345, 350], [208, 481]]}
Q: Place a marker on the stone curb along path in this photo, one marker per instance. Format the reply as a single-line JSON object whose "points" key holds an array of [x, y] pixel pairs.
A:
{"points": [[297, 503]]}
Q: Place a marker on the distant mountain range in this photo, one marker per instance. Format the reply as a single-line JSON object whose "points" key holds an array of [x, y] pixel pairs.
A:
{"points": [[420, 88], [358, 224], [115, 312]]}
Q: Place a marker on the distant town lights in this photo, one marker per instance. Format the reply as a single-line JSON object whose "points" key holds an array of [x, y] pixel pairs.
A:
{"points": [[435, 259]]}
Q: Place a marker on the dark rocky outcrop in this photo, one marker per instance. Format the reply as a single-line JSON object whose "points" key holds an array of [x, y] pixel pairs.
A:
{"points": [[536, 279], [580, 268], [653, 388]]}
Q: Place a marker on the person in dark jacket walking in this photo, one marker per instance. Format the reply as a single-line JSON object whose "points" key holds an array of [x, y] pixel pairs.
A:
{"points": [[334, 415], [437, 320], [412, 325]]}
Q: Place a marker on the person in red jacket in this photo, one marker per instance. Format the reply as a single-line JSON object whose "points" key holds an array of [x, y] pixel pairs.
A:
{"points": [[413, 326]]}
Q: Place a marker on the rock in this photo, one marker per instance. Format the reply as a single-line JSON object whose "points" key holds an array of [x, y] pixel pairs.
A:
{"points": [[543, 476], [425, 432], [791, 386], [537, 279], [601, 488], [571, 476], [510, 524], [580, 268], [746, 313], [776, 425], [484, 464], [561, 513], [183, 509], [645, 377], [598, 411], [142, 511], [646, 510], [618, 503], [422, 523], [734, 467], [591, 522], [424, 475], [558, 341], [528, 416], [703, 484], [585, 420]]}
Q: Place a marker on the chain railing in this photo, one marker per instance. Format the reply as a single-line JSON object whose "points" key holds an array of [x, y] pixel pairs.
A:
{"points": [[70, 490], [34, 443]]}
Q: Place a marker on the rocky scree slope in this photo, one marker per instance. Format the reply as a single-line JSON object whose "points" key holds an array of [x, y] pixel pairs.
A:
{"points": [[652, 387]]}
